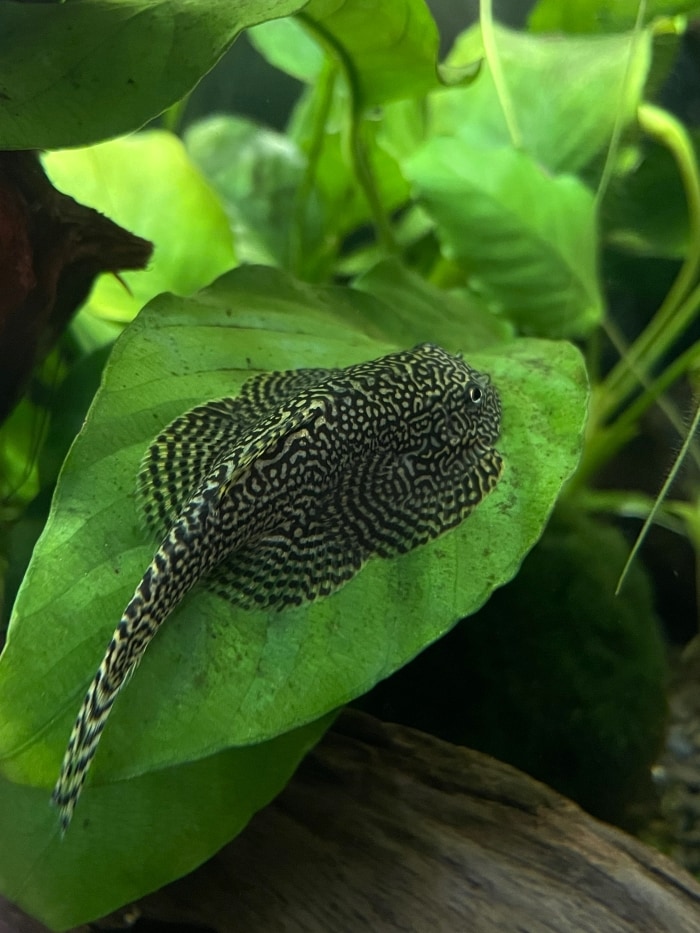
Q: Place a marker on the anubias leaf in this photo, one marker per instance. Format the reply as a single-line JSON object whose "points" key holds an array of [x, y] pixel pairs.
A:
{"points": [[569, 94], [595, 16], [75, 73], [528, 239], [388, 51], [134, 837], [217, 676], [258, 174], [148, 184]]}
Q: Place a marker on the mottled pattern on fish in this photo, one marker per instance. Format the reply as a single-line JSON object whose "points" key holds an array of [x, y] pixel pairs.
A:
{"points": [[280, 495]]}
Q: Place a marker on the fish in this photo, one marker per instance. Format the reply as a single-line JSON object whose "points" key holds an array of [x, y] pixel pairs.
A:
{"points": [[280, 495]]}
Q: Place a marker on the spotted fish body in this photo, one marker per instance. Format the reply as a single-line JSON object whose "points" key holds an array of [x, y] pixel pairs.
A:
{"points": [[280, 495]]}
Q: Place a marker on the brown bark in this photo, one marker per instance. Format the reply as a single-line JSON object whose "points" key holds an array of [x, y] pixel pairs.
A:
{"points": [[51, 250], [387, 829]]}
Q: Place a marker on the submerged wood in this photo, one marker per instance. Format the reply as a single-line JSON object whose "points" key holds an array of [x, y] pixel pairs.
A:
{"points": [[385, 828]]}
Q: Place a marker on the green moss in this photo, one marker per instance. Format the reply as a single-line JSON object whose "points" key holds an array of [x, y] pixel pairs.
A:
{"points": [[555, 675]]}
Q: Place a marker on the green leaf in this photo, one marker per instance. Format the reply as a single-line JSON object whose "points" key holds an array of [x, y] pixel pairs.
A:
{"points": [[132, 838], [20, 439], [645, 211], [325, 128], [287, 45], [258, 174], [601, 15], [422, 312], [147, 183], [75, 73], [388, 51], [568, 94], [527, 238], [217, 676]]}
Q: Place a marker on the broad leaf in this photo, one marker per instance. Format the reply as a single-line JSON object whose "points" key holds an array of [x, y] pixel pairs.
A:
{"points": [[388, 51], [422, 312], [75, 73], [568, 93], [258, 175], [147, 183], [217, 676], [601, 15], [528, 239], [130, 838], [287, 45]]}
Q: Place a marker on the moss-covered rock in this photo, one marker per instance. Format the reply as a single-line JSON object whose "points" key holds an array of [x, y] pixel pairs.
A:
{"points": [[555, 675]]}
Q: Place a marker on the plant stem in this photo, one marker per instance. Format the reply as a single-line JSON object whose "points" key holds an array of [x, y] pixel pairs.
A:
{"points": [[678, 307], [358, 150], [670, 479], [494, 62], [366, 179], [619, 124], [172, 117], [321, 110], [605, 440], [654, 393]]}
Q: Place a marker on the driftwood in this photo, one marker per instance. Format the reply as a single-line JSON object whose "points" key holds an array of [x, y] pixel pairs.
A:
{"points": [[51, 250], [13, 920], [384, 829]]}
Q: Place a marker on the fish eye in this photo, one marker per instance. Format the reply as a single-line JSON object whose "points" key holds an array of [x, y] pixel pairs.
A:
{"points": [[474, 394]]}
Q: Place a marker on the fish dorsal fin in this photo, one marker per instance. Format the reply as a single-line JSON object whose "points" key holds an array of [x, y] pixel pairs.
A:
{"points": [[236, 430]]}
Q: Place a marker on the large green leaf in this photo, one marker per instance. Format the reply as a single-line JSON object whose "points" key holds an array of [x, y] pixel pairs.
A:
{"points": [[601, 15], [217, 676], [259, 173], [147, 183], [423, 312], [130, 838], [387, 50], [527, 238], [288, 45], [568, 93], [75, 73]]}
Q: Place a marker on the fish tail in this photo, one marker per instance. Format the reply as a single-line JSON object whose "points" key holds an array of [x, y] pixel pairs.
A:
{"points": [[190, 549], [128, 645]]}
